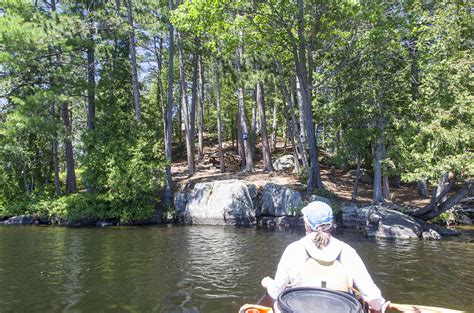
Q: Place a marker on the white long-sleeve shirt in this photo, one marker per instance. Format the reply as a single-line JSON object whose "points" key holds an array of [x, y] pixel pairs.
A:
{"points": [[296, 254]]}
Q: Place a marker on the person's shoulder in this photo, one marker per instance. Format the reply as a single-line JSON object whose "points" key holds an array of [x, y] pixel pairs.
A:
{"points": [[346, 248], [295, 246]]}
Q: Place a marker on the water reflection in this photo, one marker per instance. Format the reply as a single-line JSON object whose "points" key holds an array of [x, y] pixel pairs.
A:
{"points": [[201, 269]]}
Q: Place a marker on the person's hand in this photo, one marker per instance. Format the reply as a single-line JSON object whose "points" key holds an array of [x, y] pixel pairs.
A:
{"points": [[266, 281], [385, 306]]}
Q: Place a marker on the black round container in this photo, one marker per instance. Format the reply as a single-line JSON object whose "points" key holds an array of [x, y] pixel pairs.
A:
{"points": [[317, 300]]}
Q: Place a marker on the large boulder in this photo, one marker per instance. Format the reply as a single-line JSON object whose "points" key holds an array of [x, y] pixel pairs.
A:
{"points": [[284, 163], [229, 202], [280, 201], [381, 222], [19, 220]]}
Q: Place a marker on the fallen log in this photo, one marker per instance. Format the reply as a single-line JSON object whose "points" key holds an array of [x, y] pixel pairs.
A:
{"points": [[466, 191]]}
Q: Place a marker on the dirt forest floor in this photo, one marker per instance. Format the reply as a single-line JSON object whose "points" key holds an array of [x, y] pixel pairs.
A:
{"points": [[341, 184]]}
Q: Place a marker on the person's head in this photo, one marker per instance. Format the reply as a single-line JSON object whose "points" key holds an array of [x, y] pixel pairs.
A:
{"points": [[318, 218]]}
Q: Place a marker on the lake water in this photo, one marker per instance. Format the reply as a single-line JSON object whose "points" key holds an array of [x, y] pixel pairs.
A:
{"points": [[202, 268]]}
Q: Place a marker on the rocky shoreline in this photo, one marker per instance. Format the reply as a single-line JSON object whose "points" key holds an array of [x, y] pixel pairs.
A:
{"points": [[239, 203]]}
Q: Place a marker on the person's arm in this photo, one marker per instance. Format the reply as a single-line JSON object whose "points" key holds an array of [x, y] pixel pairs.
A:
{"points": [[364, 283], [276, 286]]}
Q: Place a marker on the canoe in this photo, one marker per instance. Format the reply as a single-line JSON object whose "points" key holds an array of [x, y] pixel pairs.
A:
{"points": [[322, 300], [305, 299]]}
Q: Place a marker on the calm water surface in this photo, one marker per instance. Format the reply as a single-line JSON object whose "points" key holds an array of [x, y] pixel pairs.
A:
{"points": [[202, 269]]}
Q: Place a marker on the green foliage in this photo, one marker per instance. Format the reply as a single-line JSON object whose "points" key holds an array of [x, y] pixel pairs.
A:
{"points": [[83, 208], [119, 161], [362, 89], [442, 219]]}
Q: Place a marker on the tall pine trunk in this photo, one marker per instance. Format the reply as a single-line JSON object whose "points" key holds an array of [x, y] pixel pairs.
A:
{"points": [[219, 122], [297, 132], [133, 61], [274, 127], [70, 164], [90, 93], [188, 124], [314, 177], [167, 197], [54, 143], [302, 124], [385, 180], [267, 157], [160, 99], [415, 83], [289, 126], [54, 148], [253, 130], [91, 84], [200, 109], [242, 116], [378, 195], [240, 140]]}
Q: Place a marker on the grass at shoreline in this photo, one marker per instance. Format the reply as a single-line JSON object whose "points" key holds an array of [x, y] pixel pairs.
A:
{"points": [[81, 208]]}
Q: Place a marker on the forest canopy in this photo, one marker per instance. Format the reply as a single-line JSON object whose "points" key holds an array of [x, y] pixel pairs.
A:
{"points": [[96, 95]]}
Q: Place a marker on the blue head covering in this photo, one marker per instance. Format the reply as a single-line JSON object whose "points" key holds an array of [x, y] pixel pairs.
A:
{"points": [[317, 213]]}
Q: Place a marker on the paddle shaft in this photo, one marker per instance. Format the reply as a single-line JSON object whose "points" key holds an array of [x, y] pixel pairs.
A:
{"points": [[266, 300], [415, 308]]}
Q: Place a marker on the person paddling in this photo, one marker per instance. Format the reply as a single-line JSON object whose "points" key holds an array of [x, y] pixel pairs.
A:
{"points": [[320, 260]]}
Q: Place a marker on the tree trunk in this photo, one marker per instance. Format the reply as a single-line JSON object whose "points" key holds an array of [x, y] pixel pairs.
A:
{"points": [[466, 191], [160, 99], [133, 61], [54, 144], [194, 100], [187, 112], [292, 125], [90, 94], [240, 141], [435, 200], [242, 115], [385, 180], [180, 121], [414, 71], [301, 146], [314, 178], [253, 135], [57, 187], [378, 195], [70, 166], [302, 135], [443, 182], [200, 110], [267, 157], [422, 188], [357, 177], [274, 127], [219, 123], [91, 84], [167, 197]]}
